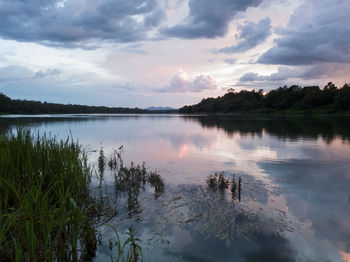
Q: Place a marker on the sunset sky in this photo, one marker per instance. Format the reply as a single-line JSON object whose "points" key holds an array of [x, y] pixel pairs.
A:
{"points": [[140, 53]]}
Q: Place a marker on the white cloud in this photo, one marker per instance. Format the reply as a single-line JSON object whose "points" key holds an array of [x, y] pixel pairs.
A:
{"points": [[181, 83]]}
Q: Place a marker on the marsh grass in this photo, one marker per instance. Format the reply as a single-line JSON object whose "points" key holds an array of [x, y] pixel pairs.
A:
{"points": [[134, 252], [130, 250], [236, 188], [130, 180], [46, 209], [219, 182], [101, 164]]}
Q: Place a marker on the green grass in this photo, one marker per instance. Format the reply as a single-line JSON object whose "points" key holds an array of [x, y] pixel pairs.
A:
{"points": [[131, 179], [130, 251], [46, 209]]}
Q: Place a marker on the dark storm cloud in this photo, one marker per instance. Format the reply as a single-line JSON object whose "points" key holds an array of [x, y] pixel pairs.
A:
{"points": [[318, 32], [250, 35], [69, 23], [208, 18]]}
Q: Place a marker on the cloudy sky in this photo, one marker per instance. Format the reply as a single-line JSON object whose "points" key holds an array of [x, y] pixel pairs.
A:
{"points": [[141, 53]]}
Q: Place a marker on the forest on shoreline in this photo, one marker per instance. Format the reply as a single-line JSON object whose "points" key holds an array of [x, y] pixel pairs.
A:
{"points": [[293, 99], [17, 106]]}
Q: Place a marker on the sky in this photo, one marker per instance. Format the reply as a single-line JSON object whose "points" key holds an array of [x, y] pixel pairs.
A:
{"points": [[141, 53]]}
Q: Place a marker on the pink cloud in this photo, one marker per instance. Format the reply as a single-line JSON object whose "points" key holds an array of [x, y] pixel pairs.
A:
{"points": [[181, 83]]}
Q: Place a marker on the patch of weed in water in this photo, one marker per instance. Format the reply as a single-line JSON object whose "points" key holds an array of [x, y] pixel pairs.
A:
{"points": [[218, 181], [132, 179]]}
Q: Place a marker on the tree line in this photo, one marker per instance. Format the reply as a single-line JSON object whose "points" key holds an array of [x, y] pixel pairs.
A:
{"points": [[313, 99], [12, 106]]}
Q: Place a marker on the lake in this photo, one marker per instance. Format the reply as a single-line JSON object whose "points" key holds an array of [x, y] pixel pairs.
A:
{"points": [[293, 202]]}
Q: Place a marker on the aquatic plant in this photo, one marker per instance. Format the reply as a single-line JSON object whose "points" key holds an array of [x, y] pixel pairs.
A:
{"points": [[117, 243], [157, 182], [218, 181], [116, 158], [239, 188], [132, 179], [101, 161], [46, 210], [223, 183], [210, 216], [233, 186], [134, 251], [212, 182]]}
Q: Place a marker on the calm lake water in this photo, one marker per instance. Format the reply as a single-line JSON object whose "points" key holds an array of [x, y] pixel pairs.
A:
{"points": [[295, 191]]}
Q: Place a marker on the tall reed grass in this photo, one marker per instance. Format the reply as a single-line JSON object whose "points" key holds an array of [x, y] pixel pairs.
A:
{"points": [[46, 209]]}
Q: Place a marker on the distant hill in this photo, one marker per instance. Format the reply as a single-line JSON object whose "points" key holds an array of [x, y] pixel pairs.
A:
{"points": [[293, 99], [12, 106], [166, 108]]}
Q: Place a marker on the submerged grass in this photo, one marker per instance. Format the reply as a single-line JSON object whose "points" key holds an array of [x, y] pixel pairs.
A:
{"points": [[46, 209], [133, 178], [219, 182]]}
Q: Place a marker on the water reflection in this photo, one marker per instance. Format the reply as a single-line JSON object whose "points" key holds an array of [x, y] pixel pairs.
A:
{"points": [[292, 127], [284, 127], [294, 199], [210, 219]]}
